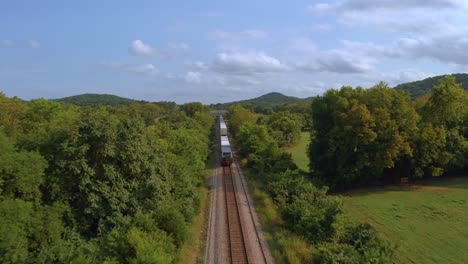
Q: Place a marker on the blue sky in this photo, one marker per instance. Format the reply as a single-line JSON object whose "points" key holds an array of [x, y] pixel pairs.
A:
{"points": [[216, 51]]}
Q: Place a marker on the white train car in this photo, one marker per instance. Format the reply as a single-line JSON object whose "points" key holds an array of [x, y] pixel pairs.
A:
{"points": [[226, 152], [225, 141], [223, 128]]}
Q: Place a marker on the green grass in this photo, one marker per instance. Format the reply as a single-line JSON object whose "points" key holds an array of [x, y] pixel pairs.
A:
{"points": [[428, 223], [299, 152]]}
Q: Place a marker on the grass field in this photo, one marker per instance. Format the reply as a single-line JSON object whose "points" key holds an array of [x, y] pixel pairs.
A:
{"points": [[428, 223], [299, 152]]}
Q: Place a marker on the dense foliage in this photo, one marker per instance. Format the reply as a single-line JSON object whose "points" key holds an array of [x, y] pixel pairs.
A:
{"points": [[96, 99], [266, 101], [100, 184], [378, 135], [306, 210], [420, 88]]}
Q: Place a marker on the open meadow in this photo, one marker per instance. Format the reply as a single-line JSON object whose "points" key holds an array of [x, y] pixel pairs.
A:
{"points": [[299, 152], [428, 223]]}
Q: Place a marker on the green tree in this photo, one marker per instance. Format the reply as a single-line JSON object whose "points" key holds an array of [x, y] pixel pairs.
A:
{"points": [[361, 135]]}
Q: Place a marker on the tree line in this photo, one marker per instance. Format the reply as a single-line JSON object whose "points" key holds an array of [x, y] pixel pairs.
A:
{"points": [[379, 135], [305, 208], [99, 184]]}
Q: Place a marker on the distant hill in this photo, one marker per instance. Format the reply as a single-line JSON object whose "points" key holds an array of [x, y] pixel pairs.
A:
{"points": [[267, 100], [96, 99], [418, 88]]}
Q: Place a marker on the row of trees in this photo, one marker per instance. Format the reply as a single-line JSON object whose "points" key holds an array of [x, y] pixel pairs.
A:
{"points": [[306, 210], [99, 184], [364, 136]]}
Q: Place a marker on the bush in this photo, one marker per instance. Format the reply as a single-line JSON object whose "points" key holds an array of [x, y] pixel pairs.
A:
{"points": [[365, 239], [332, 253]]}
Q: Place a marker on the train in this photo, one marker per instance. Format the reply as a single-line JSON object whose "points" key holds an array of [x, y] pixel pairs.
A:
{"points": [[225, 146]]}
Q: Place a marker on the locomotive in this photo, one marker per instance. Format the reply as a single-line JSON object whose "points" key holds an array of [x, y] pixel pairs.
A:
{"points": [[226, 152]]}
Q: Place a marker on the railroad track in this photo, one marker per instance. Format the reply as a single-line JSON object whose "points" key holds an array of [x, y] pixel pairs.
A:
{"points": [[238, 252], [251, 213], [234, 234]]}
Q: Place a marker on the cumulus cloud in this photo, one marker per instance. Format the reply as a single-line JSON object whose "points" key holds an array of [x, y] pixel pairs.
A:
{"points": [[33, 44], [193, 77], [449, 48], [395, 16], [339, 61], [247, 63], [200, 65], [446, 47], [394, 78], [137, 47], [145, 69]]}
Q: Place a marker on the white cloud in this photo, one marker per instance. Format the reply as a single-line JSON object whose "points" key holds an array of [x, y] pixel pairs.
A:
{"points": [[247, 63], [445, 47], [33, 44], [137, 47], [420, 16], [145, 69], [396, 77], [339, 61], [193, 77], [200, 65], [448, 48]]}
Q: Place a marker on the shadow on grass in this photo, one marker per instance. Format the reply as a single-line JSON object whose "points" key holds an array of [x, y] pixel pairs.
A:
{"points": [[437, 184]]}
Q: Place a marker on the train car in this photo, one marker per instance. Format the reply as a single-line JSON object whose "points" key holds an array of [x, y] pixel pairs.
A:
{"points": [[226, 156], [225, 141], [223, 128], [226, 152]]}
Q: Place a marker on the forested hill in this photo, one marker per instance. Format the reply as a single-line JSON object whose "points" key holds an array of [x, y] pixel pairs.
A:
{"points": [[96, 99], [418, 88], [269, 99]]}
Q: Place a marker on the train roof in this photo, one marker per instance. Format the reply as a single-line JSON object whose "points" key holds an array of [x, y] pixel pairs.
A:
{"points": [[223, 125], [226, 149]]}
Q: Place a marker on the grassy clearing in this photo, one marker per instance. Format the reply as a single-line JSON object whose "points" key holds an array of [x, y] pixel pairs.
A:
{"points": [[299, 152], [428, 223]]}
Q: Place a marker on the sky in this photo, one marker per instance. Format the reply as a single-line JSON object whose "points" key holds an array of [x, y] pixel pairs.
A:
{"points": [[221, 51]]}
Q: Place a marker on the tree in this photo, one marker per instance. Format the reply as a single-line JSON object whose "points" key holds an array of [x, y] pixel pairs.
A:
{"points": [[361, 135], [195, 107], [285, 127], [238, 115], [445, 111], [12, 113], [447, 105], [21, 172]]}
